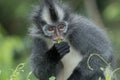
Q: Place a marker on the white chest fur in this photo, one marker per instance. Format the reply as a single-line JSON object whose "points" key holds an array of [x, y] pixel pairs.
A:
{"points": [[70, 61]]}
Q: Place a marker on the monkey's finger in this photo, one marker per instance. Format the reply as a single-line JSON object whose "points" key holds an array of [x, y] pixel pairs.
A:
{"points": [[63, 49], [61, 45], [64, 52]]}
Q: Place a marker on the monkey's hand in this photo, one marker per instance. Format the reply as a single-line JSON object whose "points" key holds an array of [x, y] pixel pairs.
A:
{"points": [[58, 51]]}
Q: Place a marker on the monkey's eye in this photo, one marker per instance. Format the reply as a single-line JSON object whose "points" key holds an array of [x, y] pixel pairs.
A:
{"points": [[50, 28], [62, 26]]}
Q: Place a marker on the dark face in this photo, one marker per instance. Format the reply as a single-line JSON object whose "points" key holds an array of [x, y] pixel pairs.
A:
{"points": [[56, 31]]}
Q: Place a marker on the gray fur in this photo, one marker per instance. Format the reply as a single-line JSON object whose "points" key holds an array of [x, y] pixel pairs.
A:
{"points": [[84, 36]]}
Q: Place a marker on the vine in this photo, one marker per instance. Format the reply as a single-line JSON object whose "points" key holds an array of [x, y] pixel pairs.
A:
{"points": [[108, 74], [91, 55], [17, 71], [28, 76]]}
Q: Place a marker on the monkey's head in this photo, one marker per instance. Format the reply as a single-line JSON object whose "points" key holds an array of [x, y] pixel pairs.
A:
{"points": [[52, 20]]}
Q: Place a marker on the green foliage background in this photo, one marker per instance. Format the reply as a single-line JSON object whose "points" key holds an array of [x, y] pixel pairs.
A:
{"points": [[15, 45]]}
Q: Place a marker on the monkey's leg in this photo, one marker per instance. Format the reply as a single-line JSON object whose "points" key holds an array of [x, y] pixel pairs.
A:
{"points": [[82, 71]]}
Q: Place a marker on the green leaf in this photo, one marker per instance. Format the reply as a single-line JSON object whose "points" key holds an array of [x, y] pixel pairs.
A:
{"points": [[102, 69], [52, 78]]}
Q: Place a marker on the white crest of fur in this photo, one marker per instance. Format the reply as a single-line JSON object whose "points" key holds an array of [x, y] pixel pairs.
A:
{"points": [[46, 15], [60, 13]]}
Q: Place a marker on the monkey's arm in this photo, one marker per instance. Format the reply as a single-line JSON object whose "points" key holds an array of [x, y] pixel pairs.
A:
{"points": [[88, 39], [44, 60], [41, 67]]}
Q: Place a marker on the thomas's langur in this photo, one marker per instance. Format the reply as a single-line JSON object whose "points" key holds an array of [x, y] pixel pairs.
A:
{"points": [[63, 42]]}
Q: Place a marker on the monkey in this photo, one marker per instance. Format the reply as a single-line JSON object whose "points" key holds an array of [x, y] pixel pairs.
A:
{"points": [[62, 43]]}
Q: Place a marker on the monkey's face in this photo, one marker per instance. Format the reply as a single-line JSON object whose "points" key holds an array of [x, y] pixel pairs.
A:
{"points": [[56, 31], [52, 19]]}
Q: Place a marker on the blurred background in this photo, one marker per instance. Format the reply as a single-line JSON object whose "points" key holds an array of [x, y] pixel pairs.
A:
{"points": [[15, 45]]}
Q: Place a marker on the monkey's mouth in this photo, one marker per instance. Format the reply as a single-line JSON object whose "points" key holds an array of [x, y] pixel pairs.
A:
{"points": [[57, 40]]}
